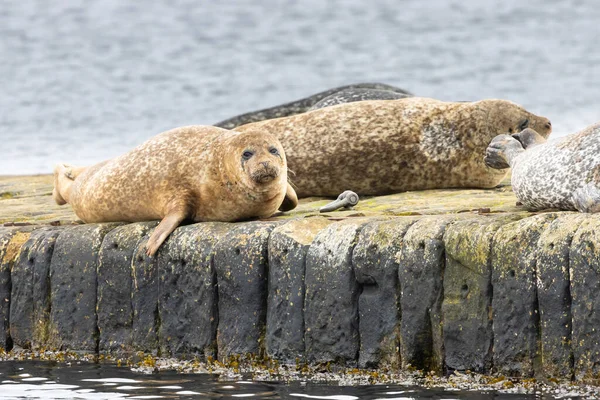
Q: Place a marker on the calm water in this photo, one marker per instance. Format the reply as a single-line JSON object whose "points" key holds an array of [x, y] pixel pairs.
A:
{"points": [[84, 81], [45, 380]]}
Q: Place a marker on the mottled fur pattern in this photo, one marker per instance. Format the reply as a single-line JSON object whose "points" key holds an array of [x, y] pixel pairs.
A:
{"points": [[387, 146], [360, 94], [194, 172], [563, 175], [298, 106]]}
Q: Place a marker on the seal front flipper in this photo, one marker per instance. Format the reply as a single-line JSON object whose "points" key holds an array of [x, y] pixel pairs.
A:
{"points": [[587, 199], [167, 225], [529, 138], [290, 201], [502, 152]]}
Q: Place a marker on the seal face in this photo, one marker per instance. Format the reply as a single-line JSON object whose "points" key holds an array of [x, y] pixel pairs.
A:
{"points": [[299, 106], [388, 146], [564, 174], [200, 173]]}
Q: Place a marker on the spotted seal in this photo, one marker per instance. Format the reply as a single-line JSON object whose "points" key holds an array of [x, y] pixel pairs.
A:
{"points": [[199, 173], [358, 94], [387, 146], [563, 174], [299, 106]]}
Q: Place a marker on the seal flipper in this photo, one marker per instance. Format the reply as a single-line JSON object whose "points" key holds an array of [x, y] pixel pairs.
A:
{"points": [[529, 138], [587, 199], [62, 184], [290, 201], [166, 226], [502, 151]]}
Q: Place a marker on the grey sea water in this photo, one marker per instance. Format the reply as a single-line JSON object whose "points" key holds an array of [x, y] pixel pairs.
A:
{"points": [[49, 380], [84, 81]]}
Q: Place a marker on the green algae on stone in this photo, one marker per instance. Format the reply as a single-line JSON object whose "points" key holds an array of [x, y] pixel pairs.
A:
{"points": [[73, 282], [421, 269], [466, 308], [288, 245], [376, 269], [331, 301], [241, 264], [30, 294], [584, 260], [114, 307], [554, 297], [187, 298], [514, 303]]}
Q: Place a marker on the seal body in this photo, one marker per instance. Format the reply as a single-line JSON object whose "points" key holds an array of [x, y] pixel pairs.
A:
{"points": [[564, 174], [388, 146], [358, 94], [200, 173], [299, 106]]}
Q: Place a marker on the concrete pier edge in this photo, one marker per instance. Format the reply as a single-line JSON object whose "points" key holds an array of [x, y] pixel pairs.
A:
{"points": [[496, 293]]}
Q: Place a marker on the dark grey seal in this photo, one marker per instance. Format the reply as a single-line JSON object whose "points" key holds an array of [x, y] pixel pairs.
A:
{"points": [[299, 106], [352, 95], [564, 174]]}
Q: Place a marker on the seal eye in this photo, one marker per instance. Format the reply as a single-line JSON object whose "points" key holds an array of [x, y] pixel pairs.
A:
{"points": [[274, 151], [524, 124], [246, 155]]}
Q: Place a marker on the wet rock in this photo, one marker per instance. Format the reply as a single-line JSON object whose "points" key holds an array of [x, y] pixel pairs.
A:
{"points": [[375, 260], [288, 245], [30, 294], [331, 300], [114, 307], [584, 258], [515, 307], [187, 302], [240, 261], [73, 283], [467, 304], [554, 295], [421, 270], [144, 298], [6, 262]]}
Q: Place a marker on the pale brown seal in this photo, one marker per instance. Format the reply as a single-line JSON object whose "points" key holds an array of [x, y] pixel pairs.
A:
{"points": [[563, 174], [388, 146], [201, 173]]}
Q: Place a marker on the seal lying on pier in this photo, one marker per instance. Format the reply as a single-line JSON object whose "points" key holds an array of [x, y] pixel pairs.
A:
{"points": [[201, 173], [389, 146], [300, 106], [564, 174]]}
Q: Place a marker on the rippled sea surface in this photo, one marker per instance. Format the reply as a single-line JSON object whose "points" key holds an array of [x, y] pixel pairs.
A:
{"points": [[85, 81], [49, 380]]}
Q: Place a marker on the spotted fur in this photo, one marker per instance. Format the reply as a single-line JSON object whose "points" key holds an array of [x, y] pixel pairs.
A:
{"points": [[563, 174], [192, 172], [387, 146]]}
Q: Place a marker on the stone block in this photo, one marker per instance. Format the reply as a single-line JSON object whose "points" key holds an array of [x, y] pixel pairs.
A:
{"points": [[288, 245]]}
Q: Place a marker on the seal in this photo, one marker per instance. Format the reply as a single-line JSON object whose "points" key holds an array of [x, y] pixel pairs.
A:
{"points": [[562, 174], [299, 106], [352, 95], [200, 173], [388, 146]]}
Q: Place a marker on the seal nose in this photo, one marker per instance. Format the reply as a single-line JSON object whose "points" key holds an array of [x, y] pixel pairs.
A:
{"points": [[265, 164], [548, 125]]}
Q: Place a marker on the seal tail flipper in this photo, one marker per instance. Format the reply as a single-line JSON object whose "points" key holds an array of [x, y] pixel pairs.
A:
{"points": [[62, 183], [587, 199]]}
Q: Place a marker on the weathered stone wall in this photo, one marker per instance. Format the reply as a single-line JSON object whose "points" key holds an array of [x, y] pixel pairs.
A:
{"points": [[506, 293]]}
